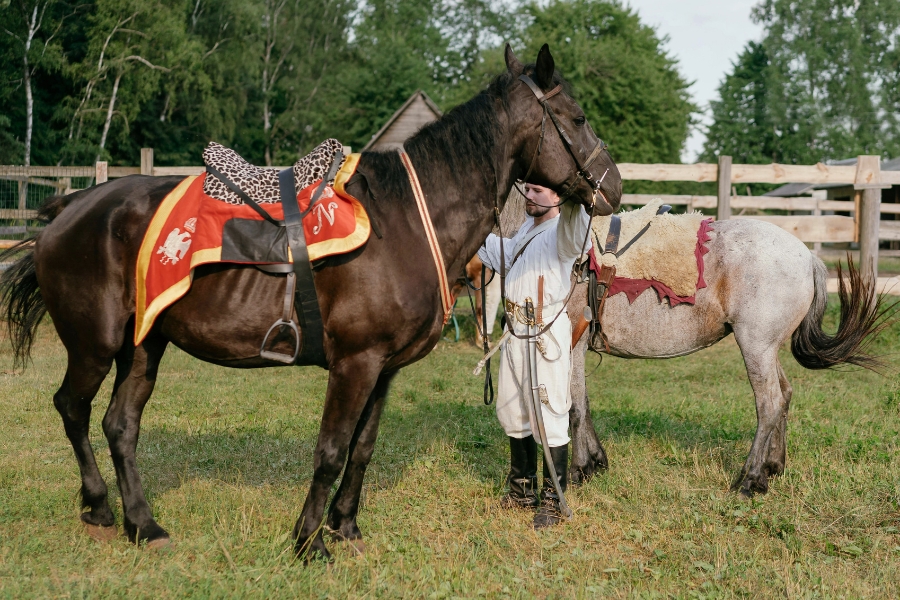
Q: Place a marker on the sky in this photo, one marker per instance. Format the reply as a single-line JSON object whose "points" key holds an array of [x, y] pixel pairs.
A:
{"points": [[706, 37]]}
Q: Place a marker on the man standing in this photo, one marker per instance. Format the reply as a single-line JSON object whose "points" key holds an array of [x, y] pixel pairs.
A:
{"points": [[539, 261]]}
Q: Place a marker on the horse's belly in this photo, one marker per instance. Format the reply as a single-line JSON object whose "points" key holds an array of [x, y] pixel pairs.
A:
{"points": [[649, 328], [225, 315]]}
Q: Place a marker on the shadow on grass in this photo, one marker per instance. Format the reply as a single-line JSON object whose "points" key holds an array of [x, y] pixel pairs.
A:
{"points": [[410, 431]]}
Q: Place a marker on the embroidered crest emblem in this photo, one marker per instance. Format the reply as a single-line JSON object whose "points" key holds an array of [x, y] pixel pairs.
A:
{"points": [[320, 210], [176, 246], [191, 224]]}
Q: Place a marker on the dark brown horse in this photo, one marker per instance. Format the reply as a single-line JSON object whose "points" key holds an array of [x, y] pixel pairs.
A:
{"points": [[82, 272]]}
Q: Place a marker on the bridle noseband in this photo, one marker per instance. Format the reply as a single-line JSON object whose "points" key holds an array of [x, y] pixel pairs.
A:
{"points": [[581, 168]]}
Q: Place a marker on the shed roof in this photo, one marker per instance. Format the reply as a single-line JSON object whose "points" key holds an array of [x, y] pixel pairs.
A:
{"points": [[417, 111]]}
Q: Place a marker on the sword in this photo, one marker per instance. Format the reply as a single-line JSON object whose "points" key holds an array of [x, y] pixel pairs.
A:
{"points": [[536, 417]]}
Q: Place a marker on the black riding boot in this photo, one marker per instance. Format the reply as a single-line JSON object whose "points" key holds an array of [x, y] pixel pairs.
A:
{"points": [[550, 513], [522, 479]]}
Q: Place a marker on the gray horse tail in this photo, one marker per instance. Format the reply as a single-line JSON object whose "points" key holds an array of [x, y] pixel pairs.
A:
{"points": [[862, 317], [20, 295]]}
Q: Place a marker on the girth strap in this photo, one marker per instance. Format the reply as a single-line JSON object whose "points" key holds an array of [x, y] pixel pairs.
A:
{"points": [[309, 314]]}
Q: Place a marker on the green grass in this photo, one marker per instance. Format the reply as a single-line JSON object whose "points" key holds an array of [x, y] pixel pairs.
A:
{"points": [[226, 458]]}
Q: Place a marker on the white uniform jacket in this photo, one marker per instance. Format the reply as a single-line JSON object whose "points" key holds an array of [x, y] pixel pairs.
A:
{"points": [[550, 249]]}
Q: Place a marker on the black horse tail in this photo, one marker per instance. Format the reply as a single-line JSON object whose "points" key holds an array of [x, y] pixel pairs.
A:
{"points": [[862, 318], [20, 294]]}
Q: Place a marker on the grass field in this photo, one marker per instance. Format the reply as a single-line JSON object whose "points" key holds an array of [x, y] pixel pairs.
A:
{"points": [[226, 458]]}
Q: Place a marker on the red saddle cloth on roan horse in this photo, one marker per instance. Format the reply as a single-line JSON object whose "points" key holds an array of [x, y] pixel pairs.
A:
{"points": [[191, 228]]}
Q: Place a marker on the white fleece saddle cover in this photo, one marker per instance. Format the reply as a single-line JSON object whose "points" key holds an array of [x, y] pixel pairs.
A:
{"points": [[259, 183], [665, 253]]}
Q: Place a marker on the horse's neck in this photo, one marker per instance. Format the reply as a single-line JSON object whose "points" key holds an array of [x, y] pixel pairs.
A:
{"points": [[461, 202], [461, 213]]}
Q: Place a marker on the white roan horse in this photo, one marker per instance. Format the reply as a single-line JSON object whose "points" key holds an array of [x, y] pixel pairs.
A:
{"points": [[763, 285]]}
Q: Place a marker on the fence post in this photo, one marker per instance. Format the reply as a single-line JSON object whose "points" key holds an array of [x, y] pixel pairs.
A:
{"points": [[146, 161], [101, 172], [868, 179], [723, 205], [23, 190]]}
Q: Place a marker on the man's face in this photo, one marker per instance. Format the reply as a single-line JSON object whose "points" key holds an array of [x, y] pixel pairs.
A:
{"points": [[539, 200]]}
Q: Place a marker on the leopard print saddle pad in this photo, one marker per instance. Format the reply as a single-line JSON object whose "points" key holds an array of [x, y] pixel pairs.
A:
{"points": [[261, 184]]}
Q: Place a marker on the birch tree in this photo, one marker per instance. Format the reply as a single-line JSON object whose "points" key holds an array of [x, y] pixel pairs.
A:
{"points": [[33, 25], [132, 44]]}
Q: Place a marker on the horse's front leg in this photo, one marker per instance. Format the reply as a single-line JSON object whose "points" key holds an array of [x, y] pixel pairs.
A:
{"points": [[345, 504], [350, 384], [588, 455]]}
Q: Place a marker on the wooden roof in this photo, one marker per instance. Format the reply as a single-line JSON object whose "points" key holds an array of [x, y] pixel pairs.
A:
{"points": [[416, 112]]}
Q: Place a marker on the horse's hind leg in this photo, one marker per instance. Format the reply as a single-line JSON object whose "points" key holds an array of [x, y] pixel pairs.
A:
{"points": [[73, 401], [135, 377], [777, 455], [767, 454], [345, 504], [588, 455]]}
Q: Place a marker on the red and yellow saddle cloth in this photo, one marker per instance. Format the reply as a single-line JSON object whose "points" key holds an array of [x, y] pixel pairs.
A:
{"points": [[187, 231]]}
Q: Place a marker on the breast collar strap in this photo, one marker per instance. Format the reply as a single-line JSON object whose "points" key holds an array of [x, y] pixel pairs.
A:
{"points": [[431, 236]]}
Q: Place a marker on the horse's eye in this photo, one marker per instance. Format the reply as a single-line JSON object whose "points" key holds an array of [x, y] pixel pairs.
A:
{"points": [[579, 121]]}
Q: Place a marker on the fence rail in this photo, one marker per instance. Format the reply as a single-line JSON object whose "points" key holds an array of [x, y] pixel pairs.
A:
{"points": [[860, 222]]}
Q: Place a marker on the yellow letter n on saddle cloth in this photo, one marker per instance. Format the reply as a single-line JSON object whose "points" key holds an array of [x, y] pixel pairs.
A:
{"points": [[191, 228]]}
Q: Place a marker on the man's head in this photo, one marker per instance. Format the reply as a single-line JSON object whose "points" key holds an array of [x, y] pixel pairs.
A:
{"points": [[541, 203]]}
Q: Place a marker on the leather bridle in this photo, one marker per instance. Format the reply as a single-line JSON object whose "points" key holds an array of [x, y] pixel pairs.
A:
{"points": [[581, 168]]}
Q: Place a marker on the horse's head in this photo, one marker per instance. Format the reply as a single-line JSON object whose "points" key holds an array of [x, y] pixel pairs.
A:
{"points": [[553, 143]]}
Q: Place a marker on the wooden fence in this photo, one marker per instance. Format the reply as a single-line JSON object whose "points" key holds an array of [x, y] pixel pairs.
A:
{"points": [[863, 225]]}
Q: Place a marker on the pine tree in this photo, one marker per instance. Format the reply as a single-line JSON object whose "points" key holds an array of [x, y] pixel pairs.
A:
{"points": [[825, 84]]}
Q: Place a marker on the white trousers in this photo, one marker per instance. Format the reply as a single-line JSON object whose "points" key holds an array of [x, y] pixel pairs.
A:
{"points": [[553, 374]]}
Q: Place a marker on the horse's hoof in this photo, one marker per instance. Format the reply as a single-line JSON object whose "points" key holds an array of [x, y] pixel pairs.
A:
{"points": [[356, 542], [582, 474], [160, 544], [101, 533], [313, 550], [359, 545]]}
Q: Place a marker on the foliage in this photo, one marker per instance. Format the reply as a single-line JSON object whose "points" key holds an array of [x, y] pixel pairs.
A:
{"points": [[823, 84], [629, 87], [272, 78]]}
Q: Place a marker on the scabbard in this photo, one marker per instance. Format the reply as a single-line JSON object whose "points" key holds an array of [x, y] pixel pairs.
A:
{"points": [[535, 414]]}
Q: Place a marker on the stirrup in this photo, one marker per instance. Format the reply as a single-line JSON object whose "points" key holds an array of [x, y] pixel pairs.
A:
{"points": [[286, 319]]}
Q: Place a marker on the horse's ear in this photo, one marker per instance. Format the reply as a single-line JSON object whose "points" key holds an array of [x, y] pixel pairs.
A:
{"points": [[512, 63], [544, 68]]}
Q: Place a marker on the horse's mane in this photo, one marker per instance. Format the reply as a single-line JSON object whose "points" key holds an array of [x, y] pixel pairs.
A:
{"points": [[464, 136]]}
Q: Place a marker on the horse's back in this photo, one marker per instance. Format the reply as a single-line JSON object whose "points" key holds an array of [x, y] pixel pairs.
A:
{"points": [[757, 276]]}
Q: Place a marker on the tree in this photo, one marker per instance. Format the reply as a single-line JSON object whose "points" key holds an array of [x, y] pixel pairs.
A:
{"points": [[742, 121], [403, 46], [33, 25], [826, 82], [629, 87], [130, 45]]}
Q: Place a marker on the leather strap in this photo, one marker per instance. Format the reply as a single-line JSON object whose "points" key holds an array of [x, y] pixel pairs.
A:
{"points": [[539, 311], [541, 96], [430, 235], [308, 314], [612, 237]]}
